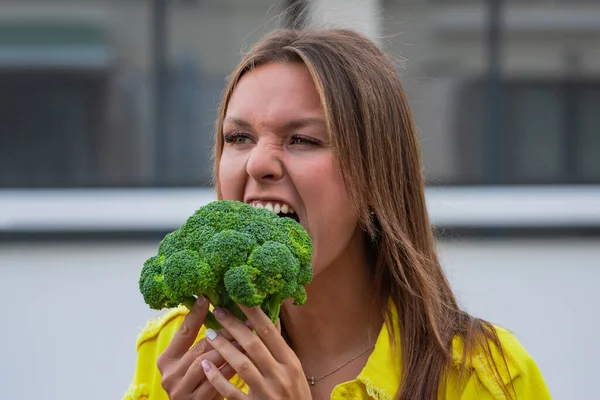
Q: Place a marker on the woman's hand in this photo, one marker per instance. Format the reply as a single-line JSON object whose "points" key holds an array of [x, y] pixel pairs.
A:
{"points": [[180, 364], [268, 365]]}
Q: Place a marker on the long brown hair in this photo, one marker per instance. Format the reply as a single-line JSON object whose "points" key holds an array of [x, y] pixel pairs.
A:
{"points": [[374, 136]]}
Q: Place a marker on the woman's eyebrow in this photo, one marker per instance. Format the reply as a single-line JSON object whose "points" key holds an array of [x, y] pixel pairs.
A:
{"points": [[289, 125], [302, 122], [238, 122]]}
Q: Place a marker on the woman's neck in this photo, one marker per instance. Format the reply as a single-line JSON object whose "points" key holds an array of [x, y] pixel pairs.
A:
{"points": [[342, 316]]}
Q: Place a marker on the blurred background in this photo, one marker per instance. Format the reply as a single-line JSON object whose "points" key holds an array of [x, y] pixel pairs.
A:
{"points": [[106, 117]]}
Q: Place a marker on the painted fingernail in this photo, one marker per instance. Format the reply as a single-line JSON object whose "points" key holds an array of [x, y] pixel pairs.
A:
{"points": [[200, 301], [211, 334], [205, 365], [219, 312]]}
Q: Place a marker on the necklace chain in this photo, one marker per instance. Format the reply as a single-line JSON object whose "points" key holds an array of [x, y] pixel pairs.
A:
{"points": [[312, 380]]}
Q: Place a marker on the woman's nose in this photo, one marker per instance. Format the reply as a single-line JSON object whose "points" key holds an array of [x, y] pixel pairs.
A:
{"points": [[264, 163]]}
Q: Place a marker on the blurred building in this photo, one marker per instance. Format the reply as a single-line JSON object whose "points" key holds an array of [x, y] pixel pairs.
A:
{"points": [[77, 78], [550, 68], [95, 168]]}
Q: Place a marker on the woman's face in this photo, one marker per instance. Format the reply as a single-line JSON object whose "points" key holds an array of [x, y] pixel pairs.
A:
{"points": [[277, 150]]}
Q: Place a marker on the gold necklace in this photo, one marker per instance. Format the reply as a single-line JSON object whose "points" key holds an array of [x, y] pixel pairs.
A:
{"points": [[312, 380]]}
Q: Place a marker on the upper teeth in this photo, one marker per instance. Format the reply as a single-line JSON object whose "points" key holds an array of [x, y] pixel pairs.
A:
{"points": [[275, 207]]}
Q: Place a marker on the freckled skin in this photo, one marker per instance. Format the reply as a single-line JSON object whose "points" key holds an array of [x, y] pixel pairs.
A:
{"points": [[270, 161]]}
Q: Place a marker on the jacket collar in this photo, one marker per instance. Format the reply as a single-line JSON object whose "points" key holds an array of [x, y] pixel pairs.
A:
{"points": [[381, 374]]}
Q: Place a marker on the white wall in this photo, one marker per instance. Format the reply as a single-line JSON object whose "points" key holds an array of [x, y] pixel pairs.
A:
{"points": [[71, 314], [546, 292], [71, 311]]}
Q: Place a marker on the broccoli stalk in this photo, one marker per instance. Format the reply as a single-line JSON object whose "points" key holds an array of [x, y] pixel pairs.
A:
{"points": [[272, 307], [231, 253]]}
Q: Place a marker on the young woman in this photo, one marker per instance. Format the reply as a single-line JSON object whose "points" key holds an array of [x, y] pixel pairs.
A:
{"points": [[318, 120]]}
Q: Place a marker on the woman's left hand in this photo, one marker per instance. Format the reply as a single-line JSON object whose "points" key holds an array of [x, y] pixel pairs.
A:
{"points": [[269, 366]]}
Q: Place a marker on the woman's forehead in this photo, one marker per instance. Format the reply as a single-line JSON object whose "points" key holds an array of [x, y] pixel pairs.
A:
{"points": [[286, 124], [276, 92]]}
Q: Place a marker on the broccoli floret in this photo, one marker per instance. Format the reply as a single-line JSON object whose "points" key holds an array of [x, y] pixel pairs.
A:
{"points": [[231, 253], [299, 296], [172, 243], [279, 269], [152, 285], [227, 248], [292, 234], [280, 277], [240, 283]]}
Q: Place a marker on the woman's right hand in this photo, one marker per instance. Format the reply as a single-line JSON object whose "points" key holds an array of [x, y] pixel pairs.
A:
{"points": [[180, 364]]}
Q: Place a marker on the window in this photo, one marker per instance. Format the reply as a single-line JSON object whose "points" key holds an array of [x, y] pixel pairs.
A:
{"points": [[51, 124], [77, 92], [520, 2], [62, 129], [550, 133]]}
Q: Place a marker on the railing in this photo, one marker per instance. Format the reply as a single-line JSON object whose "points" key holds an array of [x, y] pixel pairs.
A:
{"points": [[162, 210]]}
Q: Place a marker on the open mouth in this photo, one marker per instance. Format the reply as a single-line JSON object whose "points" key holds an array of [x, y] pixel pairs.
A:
{"points": [[281, 209], [293, 216]]}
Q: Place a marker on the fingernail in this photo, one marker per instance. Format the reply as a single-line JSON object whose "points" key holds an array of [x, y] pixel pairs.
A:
{"points": [[205, 365], [200, 301], [220, 312], [211, 334]]}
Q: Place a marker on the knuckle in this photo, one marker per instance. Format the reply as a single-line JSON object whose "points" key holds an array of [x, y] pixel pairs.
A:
{"points": [[227, 323], [284, 383], [225, 333], [253, 346], [199, 348], [287, 385], [163, 362], [293, 364], [176, 395], [244, 368], [160, 363], [231, 394], [185, 329], [287, 389], [196, 364], [297, 366], [268, 330], [166, 382]]}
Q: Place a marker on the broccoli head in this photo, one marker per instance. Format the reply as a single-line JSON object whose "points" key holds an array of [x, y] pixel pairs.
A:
{"points": [[231, 253]]}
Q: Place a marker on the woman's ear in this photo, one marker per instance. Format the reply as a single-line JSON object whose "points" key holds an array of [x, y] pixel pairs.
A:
{"points": [[373, 226], [371, 211]]}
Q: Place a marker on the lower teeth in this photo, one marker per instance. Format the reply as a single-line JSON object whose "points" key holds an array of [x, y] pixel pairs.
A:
{"points": [[293, 216]]}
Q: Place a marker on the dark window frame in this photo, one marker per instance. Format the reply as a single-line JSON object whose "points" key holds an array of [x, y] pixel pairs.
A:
{"points": [[95, 85], [469, 145]]}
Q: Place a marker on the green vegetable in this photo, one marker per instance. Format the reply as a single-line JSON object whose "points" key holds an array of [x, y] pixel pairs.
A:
{"points": [[231, 253]]}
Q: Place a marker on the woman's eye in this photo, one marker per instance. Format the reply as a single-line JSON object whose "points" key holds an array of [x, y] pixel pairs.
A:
{"points": [[303, 140], [237, 138]]}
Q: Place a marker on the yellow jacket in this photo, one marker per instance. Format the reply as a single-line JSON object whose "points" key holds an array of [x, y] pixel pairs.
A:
{"points": [[379, 378]]}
